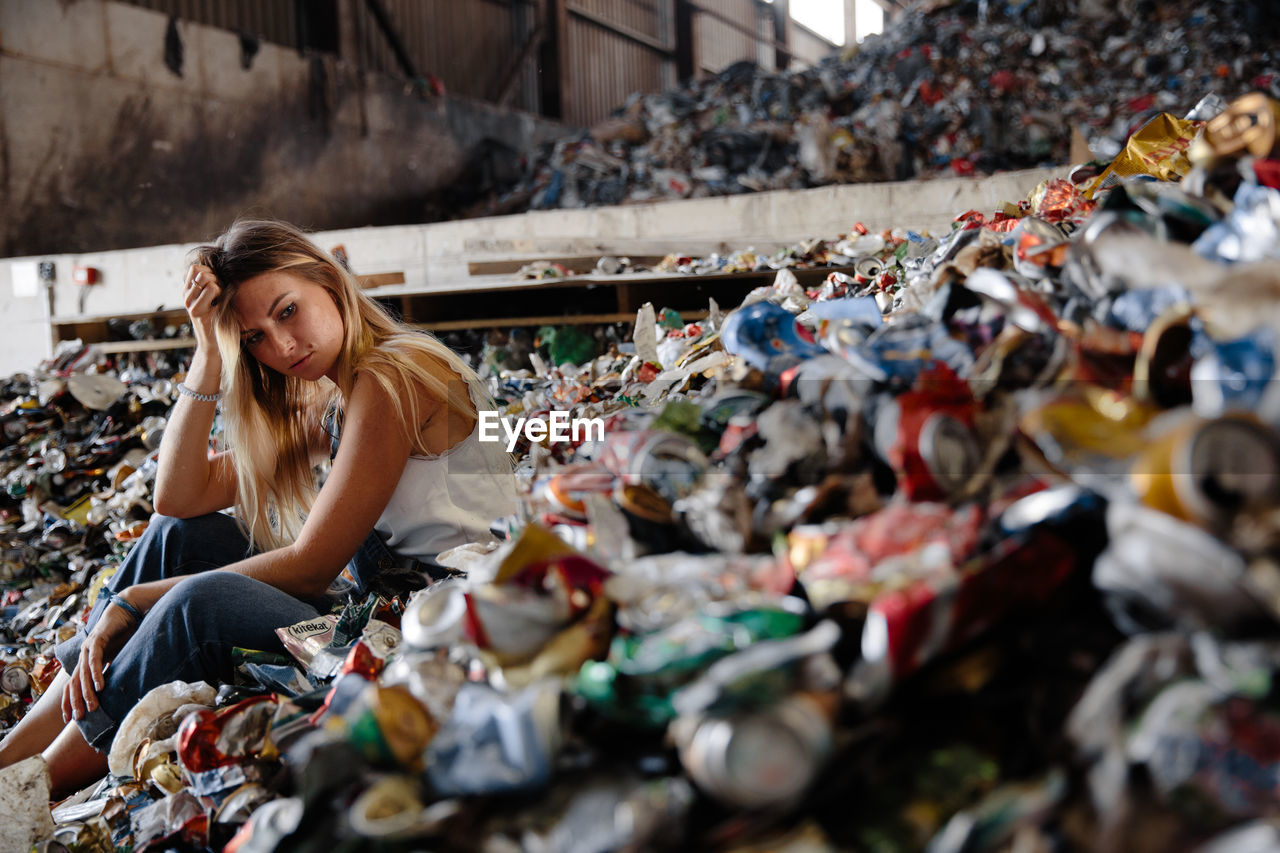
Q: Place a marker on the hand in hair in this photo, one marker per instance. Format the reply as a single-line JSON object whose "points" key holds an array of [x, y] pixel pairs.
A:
{"points": [[200, 293]]}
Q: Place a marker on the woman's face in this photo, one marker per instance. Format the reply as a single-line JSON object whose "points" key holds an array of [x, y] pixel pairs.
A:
{"points": [[289, 324]]}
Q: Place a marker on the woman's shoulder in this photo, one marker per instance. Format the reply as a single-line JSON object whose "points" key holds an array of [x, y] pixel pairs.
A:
{"points": [[419, 350]]}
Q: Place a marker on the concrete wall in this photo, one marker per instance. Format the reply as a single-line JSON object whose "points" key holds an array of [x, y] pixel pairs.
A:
{"points": [[105, 145]]}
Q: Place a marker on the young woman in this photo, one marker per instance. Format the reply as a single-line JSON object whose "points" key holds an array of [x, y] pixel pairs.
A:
{"points": [[293, 349]]}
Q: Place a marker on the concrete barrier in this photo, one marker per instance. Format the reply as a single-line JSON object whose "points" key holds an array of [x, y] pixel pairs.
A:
{"points": [[433, 257]]}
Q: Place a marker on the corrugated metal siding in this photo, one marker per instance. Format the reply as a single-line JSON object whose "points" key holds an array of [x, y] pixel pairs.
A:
{"points": [[605, 67], [271, 20], [651, 17], [468, 45], [717, 43]]}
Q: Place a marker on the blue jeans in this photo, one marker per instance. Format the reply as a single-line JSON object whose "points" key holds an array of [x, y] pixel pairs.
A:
{"points": [[189, 634]]}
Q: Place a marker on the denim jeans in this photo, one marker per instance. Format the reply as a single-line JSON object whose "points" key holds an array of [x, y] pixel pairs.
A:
{"points": [[189, 634]]}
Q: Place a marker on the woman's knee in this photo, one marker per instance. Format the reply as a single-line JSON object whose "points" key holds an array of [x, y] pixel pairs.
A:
{"points": [[183, 546], [225, 607], [207, 593], [196, 531]]}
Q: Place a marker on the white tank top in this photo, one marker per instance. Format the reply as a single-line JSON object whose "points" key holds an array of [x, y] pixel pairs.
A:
{"points": [[449, 500]]}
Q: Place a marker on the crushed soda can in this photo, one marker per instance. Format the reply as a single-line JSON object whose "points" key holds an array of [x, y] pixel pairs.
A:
{"points": [[16, 678], [1159, 571], [495, 742], [392, 809], [211, 739], [636, 682], [927, 435], [269, 825], [908, 626], [390, 727], [765, 336], [1207, 471], [764, 758]]}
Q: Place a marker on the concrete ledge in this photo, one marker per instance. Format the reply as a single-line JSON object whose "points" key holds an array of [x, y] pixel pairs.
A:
{"points": [[434, 257]]}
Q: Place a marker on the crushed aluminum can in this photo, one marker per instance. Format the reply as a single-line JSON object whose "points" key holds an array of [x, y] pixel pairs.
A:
{"points": [[1235, 375], [667, 462], [911, 625], [757, 759], [927, 436], [763, 333], [1214, 750], [212, 739], [91, 836], [154, 763], [495, 742], [390, 727], [177, 817], [241, 803], [16, 678], [270, 824], [392, 808], [1159, 571], [43, 670], [1207, 471], [434, 616], [1249, 124], [432, 678]]}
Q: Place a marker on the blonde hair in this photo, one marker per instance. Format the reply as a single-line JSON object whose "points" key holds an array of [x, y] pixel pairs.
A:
{"points": [[269, 417]]}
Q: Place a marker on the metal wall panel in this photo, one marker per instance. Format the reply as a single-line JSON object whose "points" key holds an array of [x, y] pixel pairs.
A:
{"points": [[605, 66], [469, 45], [728, 31], [651, 17], [271, 20], [604, 69]]}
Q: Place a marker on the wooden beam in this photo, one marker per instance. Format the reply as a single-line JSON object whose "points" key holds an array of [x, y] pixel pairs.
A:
{"points": [[380, 279], [550, 320], [112, 347], [576, 263]]}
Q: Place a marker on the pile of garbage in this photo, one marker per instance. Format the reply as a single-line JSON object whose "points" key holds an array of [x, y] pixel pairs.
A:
{"points": [[976, 548], [950, 88]]}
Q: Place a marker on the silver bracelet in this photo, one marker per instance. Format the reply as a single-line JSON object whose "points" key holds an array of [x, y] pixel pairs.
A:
{"points": [[195, 395]]}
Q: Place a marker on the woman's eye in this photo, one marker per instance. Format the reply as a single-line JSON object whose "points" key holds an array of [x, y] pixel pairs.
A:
{"points": [[253, 340], [288, 310]]}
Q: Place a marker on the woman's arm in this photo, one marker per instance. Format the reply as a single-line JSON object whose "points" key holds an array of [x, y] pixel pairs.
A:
{"points": [[188, 482]]}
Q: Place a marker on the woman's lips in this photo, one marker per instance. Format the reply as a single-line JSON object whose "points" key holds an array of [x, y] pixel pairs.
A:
{"points": [[300, 362]]}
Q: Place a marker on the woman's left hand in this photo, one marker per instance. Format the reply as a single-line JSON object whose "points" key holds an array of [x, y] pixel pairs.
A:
{"points": [[113, 628]]}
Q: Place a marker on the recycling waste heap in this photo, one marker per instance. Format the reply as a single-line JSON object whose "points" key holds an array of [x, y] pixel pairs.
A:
{"points": [[974, 548], [950, 88]]}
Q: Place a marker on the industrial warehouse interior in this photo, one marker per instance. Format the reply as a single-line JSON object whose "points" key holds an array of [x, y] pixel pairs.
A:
{"points": [[592, 425]]}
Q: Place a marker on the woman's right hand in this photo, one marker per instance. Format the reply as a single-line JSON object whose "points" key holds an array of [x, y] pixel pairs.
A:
{"points": [[113, 628], [199, 296]]}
